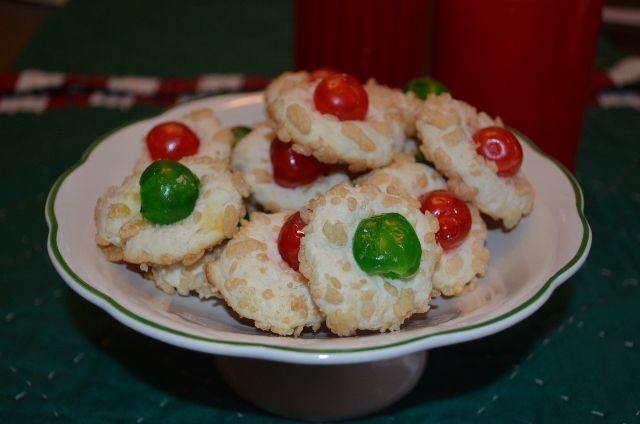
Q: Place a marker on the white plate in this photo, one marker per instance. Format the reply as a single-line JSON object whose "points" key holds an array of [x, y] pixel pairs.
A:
{"points": [[527, 264]]}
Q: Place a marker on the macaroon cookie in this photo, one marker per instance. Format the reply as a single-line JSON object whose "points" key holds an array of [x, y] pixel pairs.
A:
{"points": [[216, 141], [351, 298], [361, 144], [125, 235], [257, 284], [446, 127], [458, 268], [251, 156], [186, 280], [405, 173]]}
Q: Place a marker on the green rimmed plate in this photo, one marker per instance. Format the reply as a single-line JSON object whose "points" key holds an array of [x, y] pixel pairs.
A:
{"points": [[527, 264]]}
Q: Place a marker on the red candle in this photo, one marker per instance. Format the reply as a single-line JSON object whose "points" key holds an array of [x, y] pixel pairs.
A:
{"points": [[528, 61], [384, 39]]}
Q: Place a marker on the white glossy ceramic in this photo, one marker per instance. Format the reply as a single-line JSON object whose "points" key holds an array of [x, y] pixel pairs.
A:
{"points": [[323, 393], [527, 264]]}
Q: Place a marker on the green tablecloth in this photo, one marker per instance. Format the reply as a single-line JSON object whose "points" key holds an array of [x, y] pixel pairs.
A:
{"points": [[62, 359]]}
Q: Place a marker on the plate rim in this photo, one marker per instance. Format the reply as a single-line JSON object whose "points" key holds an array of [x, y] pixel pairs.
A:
{"points": [[291, 353]]}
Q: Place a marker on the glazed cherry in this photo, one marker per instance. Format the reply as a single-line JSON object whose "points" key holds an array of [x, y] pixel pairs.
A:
{"points": [[292, 169], [168, 192], [239, 132], [289, 240], [342, 96], [424, 86], [453, 216], [387, 245], [321, 73], [500, 146], [172, 140]]}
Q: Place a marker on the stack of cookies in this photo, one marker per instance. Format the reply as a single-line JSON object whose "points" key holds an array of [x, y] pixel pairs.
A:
{"points": [[351, 207]]}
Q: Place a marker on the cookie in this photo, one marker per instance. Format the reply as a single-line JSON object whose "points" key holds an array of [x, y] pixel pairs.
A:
{"points": [[365, 144], [215, 140], [282, 83], [411, 147], [414, 178], [251, 157], [257, 284], [126, 236], [350, 298], [446, 127], [458, 268], [186, 280]]}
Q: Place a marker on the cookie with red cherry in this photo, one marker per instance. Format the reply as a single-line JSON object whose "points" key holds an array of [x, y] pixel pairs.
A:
{"points": [[196, 133], [258, 284], [279, 177], [481, 159], [338, 120]]}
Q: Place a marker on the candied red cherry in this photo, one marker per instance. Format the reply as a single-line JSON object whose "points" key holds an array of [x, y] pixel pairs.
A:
{"points": [[321, 73], [453, 216], [172, 140], [500, 146], [342, 96], [292, 169], [289, 240]]}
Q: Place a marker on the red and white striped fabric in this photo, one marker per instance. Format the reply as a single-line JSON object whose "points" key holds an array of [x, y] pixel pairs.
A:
{"points": [[619, 86], [36, 91]]}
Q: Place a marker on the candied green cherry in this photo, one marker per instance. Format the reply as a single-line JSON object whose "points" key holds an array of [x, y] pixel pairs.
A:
{"points": [[424, 86], [168, 192], [387, 245], [239, 132], [419, 157]]}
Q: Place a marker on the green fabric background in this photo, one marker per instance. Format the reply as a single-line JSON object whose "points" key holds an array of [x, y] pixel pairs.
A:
{"points": [[64, 360]]}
